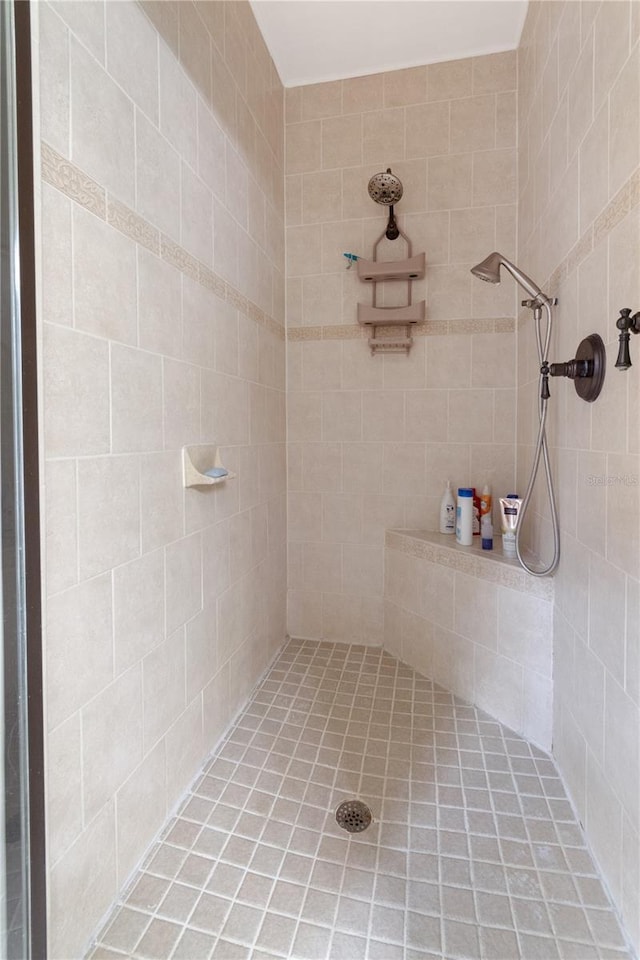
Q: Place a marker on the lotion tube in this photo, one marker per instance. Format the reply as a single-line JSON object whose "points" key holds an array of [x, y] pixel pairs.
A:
{"points": [[509, 515]]}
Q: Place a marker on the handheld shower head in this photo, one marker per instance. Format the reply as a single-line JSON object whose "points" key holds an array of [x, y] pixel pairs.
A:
{"points": [[489, 270]]}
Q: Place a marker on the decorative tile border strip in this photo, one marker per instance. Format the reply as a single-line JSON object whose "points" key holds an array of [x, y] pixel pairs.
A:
{"points": [[424, 545], [627, 197], [74, 183], [430, 328], [133, 226]]}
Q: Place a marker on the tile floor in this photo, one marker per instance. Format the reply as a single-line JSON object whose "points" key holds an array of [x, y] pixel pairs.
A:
{"points": [[474, 851]]}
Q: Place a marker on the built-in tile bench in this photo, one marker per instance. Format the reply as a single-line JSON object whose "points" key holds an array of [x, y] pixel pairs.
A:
{"points": [[475, 622]]}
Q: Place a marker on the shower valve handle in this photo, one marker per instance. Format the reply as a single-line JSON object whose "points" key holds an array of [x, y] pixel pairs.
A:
{"points": [[587, 369], [572, 369], [544, 381]]}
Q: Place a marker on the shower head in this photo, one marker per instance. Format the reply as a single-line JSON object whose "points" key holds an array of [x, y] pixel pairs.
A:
{"points": [[489, 270], [385, 188]]}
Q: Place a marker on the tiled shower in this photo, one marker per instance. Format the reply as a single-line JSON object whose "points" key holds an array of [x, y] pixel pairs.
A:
{"points": [[193, 218]]}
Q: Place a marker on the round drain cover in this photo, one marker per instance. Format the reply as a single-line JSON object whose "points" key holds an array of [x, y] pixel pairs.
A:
{"points": [[353, 816]]}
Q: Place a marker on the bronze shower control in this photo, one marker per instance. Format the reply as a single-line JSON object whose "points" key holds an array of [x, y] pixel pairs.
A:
{"points": [[587, 369], [626, 323]]}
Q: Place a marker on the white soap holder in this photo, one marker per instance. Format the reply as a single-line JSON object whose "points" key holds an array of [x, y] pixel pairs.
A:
{"points": [[197, 460]]}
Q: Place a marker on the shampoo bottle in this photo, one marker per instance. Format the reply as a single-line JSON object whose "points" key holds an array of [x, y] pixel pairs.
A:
{"points": [[464, 516], [476, 513], [485, 502], [448, 511]]}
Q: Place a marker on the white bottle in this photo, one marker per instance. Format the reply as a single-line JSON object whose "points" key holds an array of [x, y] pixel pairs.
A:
{"points": [[447, 511], [464, 516]]}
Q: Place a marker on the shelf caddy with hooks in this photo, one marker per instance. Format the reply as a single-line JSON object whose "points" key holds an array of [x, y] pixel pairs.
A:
{"points": [[385, 188]]}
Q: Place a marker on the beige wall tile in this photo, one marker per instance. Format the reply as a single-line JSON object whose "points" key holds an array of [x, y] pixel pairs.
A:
{"points": [[304, 250], [98, 103], [360, 94], [495, 73], [362, 467], [342, 416], [184, 746], [57, 296], [304, 147], [163, 686], [216, 713], [126, 29], [363, 570], [108, 513], [104, 260], [141, 808], [138, 609], [611, 46], [79, 619], [321, 196], [157, 178], [341, 519], [54, 94], [159, 306], [623, 526], [426, 415], [320, 100], [594, 168], [183, 572], [195, 53], [473, 124], [305, 613], [83, 885], [499, 687], [449, 80], [449, 182], [136, 400], [494, 177], [624, 123], [604, 823], [580, 92], [178, 107], [61, 550], [382, 137], [476, 610], [342, 144], [64, 780], [402, 87]]}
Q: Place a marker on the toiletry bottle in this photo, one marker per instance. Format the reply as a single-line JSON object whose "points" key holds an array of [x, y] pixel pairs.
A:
{"points": [[485, 502], [486, 531], [509, 511], [448, 511], [464, 516], [476, 513]]}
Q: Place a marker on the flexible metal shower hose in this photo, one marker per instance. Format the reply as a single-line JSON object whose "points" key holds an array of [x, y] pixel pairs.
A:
{"points": [[541, 449]]}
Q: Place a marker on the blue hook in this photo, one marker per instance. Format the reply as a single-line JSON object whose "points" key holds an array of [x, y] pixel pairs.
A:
{"points": [[352, 258]]}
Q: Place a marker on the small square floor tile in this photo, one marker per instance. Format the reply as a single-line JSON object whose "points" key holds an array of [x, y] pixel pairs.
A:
{"points": [[193, 945], [276, 934], [126, 929], [159, 940], [311, 942], [178, 902]]}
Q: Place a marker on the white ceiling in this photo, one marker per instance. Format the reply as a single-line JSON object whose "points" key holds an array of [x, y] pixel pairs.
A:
{"points": [[317, 40]]}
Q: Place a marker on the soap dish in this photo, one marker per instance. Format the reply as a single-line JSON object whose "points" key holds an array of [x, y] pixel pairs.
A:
{"points": [[202, 466]]}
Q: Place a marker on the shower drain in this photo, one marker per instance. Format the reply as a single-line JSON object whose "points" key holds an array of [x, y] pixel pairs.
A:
{"points": [[353, 816]]}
